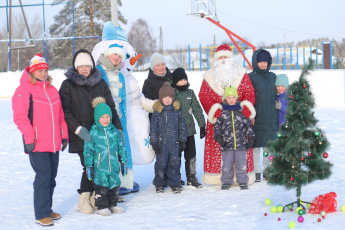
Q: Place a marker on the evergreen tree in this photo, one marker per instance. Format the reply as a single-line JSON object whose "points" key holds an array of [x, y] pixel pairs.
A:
{"points": [[89, 18], [298, 154]]}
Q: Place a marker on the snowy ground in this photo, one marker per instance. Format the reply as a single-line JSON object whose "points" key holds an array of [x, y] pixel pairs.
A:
{"points": [[206, 208]]}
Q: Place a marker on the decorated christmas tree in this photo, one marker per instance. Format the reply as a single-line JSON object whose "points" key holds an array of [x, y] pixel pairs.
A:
{"points": [[298, 154]]}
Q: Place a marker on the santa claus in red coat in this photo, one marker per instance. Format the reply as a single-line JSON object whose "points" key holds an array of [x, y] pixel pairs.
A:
{"points": [[226, 71]]}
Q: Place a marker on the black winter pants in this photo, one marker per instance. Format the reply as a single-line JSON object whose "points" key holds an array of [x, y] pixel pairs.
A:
{"points": [[189, 156], [104, 198], [85, 183]]}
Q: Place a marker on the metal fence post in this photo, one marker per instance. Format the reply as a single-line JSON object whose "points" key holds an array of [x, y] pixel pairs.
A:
{"points": [[323, 57], [277, 57], [189, 57], [200, 57], [330, 47], [290, 56]]}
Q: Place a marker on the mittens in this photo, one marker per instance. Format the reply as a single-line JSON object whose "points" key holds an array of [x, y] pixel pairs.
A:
{"points": [[155, 148], [182, 146], [90, 172], [246, 111], [64, 145], [278, 104], [84, 134], [30, 147]]}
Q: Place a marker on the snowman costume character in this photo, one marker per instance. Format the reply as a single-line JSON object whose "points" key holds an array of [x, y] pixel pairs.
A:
{"points": [[138, 124]]}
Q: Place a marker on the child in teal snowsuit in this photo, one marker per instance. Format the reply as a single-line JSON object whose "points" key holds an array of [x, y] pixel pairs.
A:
{"points": [[103, 156]]}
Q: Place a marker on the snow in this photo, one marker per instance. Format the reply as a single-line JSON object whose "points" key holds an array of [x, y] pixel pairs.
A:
{"points": [[206, 208]]}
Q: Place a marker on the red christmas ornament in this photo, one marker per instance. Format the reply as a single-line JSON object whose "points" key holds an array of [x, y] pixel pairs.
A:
{"points": [[319, 220], [322, 135], [291, 96], [279, 219], [265, 214], [309, 154], [304, 86], [323, 217], [291, 178], [325, 155], [302, 159], [291, 210]]}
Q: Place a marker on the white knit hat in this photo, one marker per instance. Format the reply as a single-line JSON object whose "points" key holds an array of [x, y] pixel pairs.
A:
{"points": [[115, 49], [83, 59], [156, 58]]}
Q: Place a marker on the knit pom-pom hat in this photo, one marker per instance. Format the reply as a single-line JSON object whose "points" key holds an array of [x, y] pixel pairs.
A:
{"points": [[166, 91], [37, 63], [101, 108]]}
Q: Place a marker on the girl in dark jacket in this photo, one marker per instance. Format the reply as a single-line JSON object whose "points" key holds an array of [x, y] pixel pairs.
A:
{"points": [[84, 83], [266, 120]]}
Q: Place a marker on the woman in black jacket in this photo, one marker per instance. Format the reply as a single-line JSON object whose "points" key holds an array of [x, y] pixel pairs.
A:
{"points": [[158, 74], [84, 82]]}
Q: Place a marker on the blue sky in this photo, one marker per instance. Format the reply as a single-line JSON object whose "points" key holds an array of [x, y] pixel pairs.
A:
{"points": [[268, 21]]}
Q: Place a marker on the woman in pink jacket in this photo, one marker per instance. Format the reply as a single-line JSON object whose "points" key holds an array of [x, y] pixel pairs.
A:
{"points": [[38, 113]]}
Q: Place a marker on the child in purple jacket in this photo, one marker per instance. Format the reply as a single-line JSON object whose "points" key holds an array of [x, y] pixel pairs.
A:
{"points": [[282, 84]]}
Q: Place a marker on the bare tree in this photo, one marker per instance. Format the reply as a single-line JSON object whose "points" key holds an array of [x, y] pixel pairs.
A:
{"points": [[179, 58], [20, 58], [142, 39]]}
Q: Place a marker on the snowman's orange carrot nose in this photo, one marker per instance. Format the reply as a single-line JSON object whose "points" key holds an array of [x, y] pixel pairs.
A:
{"points": [[135, 59]]}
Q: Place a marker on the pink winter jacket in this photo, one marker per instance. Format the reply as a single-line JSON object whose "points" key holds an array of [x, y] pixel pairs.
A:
{"points": [[37, 111]]}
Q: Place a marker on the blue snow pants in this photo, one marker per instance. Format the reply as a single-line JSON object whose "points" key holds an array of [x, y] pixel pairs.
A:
{"points": [[167, 166], [45, 165]]}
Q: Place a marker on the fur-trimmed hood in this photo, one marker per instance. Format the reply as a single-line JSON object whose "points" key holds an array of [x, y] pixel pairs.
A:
{"points": [[79, 79], [157, 106], [209, 78]]}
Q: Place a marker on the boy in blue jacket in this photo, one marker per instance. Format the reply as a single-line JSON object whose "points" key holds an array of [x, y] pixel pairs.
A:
{"points": [[168, 138]]}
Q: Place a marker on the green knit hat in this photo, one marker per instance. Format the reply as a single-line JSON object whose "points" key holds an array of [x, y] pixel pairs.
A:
{"points": [[282, 79], [101, 108], [230, 91]]}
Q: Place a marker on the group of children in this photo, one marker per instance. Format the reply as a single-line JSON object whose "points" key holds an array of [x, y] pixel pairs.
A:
{"points": [[172, 132]]}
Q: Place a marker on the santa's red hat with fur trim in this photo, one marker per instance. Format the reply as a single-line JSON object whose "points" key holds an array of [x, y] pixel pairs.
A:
{"points": [[222, 50]]}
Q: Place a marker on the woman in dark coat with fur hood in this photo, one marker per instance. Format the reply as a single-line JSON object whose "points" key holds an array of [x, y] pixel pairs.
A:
{"points": [[84, 83]]}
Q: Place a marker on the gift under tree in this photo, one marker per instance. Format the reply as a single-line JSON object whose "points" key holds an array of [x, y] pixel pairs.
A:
{"points": [[298, 154]]}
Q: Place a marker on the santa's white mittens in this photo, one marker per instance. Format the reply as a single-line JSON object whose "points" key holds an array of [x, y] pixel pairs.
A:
{"points": [[250, 106], [212, 112], [146, 103]]}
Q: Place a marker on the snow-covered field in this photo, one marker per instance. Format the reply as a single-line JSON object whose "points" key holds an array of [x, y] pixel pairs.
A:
{"points": [[206, 208]]}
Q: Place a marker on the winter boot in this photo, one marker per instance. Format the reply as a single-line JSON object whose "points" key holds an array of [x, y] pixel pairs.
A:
{"points": [[113, 196], [159, 189], [193, 181], [116, 209], [175, 189], [55, 216], [84, 205], [102, 199], [225, 186], [104, 212], [243, 186], [257, 177], [45, 221]]}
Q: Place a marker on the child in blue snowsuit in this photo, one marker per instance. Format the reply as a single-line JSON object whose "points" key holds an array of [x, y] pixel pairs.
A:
{"points": [[168, 138], [101, 157], [282, 84]]}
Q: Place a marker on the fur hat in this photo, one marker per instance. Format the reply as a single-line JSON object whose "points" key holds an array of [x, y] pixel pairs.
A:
{"points": [[37, 63], [83, 59], [282, 79], [222, 50], [115, 49], [101, 108], [166, 91], [156, 58], [230, 91], [178, 75], [262, 56]]}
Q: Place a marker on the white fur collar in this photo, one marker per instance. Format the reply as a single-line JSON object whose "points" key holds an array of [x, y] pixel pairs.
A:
{"points": [[209, 78]]}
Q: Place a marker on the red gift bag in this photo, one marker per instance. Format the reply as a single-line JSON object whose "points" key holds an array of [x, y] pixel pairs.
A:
{"points": [[325, 202]]}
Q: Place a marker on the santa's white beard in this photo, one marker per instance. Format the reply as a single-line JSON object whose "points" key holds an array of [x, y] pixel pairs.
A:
{"points": [[225, 72]]}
